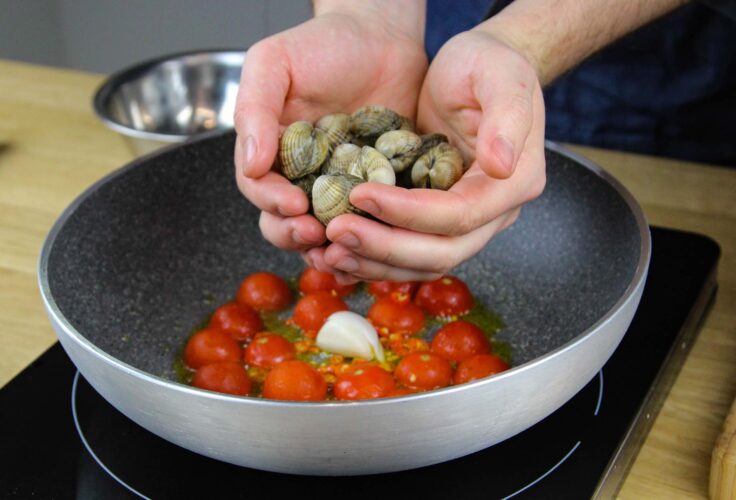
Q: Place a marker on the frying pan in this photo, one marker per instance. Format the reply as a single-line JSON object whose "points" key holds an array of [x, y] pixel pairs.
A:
{"points": [[144, 255]]}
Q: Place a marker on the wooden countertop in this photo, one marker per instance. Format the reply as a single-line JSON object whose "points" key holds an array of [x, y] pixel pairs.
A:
{"points": [[52, 147]]}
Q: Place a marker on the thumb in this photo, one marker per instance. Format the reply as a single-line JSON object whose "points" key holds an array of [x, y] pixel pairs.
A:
{"points": [[506, 104], [264, 83]]}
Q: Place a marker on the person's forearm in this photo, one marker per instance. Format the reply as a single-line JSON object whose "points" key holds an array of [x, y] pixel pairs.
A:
{"points": [[409, 16], [555, 35]]}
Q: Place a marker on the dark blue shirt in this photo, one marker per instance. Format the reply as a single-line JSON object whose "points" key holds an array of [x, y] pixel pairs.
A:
{"points": [[668, 89]]}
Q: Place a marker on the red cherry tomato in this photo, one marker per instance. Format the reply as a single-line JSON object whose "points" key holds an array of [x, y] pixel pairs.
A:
{"points": [[399, 391], [363, 382], [295, 380], [268, 350], [312, 310], [312, 281], [227, 377], [459, 340], [240, 321], [264, 292], [479, 366], [396, 317], [424, 370], [446, 297], [384, 288], [210, 346]]}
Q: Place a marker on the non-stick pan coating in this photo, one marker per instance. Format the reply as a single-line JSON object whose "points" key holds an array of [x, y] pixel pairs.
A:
{"points": [[147, 256]]}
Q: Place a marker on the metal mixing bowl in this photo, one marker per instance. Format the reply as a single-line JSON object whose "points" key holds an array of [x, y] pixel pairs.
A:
{"points": [[171, 98]]}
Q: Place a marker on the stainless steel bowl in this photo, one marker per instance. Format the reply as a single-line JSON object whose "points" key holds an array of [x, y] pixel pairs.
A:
{"points": [[171, 98]]}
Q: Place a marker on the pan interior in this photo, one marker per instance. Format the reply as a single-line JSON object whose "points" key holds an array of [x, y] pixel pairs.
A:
{"points": [[148, 253]]}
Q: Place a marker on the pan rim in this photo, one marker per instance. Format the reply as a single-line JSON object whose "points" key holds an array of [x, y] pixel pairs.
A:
{"points": [[71, 332]]}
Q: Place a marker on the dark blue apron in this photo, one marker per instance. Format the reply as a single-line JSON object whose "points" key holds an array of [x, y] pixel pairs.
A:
{"points": [[668, 89]]}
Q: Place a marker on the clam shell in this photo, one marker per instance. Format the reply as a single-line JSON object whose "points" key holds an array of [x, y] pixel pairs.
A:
{"points": [[372, 166], [305, 183], [369, 122], [337, 128], [331, 196], [439, 168], [302, 149], [342, 158], [401, 147], [431, 140]]}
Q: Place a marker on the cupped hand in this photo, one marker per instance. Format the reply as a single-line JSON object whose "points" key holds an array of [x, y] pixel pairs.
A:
{"points": [[487, 99], [333, 63]]}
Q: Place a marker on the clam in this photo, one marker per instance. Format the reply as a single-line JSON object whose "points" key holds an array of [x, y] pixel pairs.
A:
{"points": [[331, 196], [440, 167], [337, 128], [342, 158], [401, 147], [431, 140], [369, 122], [302, 149], [372, 166]]}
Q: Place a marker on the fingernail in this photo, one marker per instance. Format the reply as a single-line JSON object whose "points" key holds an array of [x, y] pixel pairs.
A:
{"points": [[249, 150], [505, 153], [347, 264], [298, 238], [368, 206], [349, 240]]}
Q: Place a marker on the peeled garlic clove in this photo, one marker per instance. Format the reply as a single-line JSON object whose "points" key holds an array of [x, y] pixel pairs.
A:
{"points": [[350, 334]]}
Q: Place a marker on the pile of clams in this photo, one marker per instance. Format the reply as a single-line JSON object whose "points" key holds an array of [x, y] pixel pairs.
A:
{"points": [[374, 144]]}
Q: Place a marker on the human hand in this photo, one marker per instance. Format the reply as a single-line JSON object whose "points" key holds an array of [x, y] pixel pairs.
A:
{"points": [[487, 99], [351, 54]]}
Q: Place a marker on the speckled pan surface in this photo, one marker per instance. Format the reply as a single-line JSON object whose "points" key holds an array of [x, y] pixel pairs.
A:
{"points": [[143, 258]]}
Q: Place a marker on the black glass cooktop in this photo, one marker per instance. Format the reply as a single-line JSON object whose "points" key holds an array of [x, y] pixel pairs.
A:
{"points": [[60, 439]]}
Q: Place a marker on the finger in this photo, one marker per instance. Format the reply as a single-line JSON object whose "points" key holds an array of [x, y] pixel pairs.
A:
{"points": [[471, 203], [506, 102], [366, 269], [291, 233], [274, 193], [264, 83], [400, 248]]}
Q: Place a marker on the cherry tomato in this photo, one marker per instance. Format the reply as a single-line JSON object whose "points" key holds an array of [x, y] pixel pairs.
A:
{"points": [[363, 382], [295, 380], [479, 366], [383, 288], [399, 391], [312, 281], [446, 297], [424, 370], [312, 310], [459, 340], [240, 321], [268, 350], [210, 346], [264, 292], [396, 317], [227, 377]]}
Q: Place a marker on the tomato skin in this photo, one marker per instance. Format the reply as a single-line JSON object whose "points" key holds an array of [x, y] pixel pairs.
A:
{"points": [[363, 382], [294, 380], [312, 310], [227, 377], [312, 281], [399, 391], [268, 349], [210, 346], [460, 340], [405, 318], [264, 292], [423, 370], [479, 366], [447, 296], [240, 321], [384, 288]]}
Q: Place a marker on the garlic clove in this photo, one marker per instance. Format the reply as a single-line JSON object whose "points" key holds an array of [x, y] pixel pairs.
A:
{"points": [[350, 334]]}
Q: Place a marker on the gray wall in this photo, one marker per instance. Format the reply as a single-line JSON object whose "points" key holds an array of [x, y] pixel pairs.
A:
{"points": [[106, 35]]}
